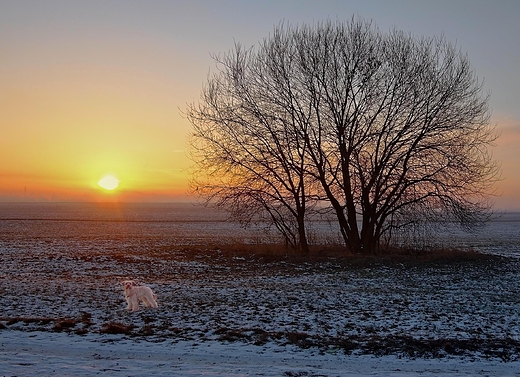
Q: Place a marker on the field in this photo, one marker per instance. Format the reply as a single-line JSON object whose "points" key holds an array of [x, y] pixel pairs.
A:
{"points": [[410, 309], [225, 310]]}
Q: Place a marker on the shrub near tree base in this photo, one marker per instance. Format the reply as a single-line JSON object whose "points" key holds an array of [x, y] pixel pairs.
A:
{"points": [[382, 130]]}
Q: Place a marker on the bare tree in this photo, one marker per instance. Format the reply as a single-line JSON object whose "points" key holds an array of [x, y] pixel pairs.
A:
{"points": [[251, 158], [383, 128]]}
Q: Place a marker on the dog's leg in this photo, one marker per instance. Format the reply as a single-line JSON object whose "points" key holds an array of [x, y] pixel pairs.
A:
{"points": [[135, 303], [128, 301], [146, 302], [153, 301]]}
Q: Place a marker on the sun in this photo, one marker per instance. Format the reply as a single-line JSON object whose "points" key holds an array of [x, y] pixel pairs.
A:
{"points": [[109, 182]]}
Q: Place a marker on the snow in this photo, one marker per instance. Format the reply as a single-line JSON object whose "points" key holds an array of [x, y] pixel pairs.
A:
{"points": [[63, 309], [243, 317], [60, 354]]}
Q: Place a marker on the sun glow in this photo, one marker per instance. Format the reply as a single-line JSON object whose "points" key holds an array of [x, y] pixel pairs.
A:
{"points": [[109, 182]]}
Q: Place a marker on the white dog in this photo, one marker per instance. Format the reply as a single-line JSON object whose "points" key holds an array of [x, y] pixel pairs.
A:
{"points": [[135, 293]]}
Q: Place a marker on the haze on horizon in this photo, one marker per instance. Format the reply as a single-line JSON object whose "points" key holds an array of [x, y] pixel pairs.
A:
{"points": [[90, 89]]}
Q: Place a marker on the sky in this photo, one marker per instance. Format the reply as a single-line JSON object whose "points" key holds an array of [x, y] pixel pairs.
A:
{"points": [[90, 88]]}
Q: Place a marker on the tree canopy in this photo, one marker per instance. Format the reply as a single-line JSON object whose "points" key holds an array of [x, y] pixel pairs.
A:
{"points": [[381, 129]]}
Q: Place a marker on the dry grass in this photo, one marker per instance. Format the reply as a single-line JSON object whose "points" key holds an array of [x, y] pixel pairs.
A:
{"points": [[272, 253], [64, 324], [116, 328]]}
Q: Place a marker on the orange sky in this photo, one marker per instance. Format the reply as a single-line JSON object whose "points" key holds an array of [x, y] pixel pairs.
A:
{"points": [[90, 88], [66, 130], [507, 151]]}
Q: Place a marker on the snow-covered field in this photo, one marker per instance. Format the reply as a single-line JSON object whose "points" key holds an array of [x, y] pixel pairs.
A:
{"points": [[240, 316], [63, 309], [59, 354]]}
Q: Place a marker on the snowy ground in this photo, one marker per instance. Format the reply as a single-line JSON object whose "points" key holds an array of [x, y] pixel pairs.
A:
{"points": [[63, 313], [60, 354]]}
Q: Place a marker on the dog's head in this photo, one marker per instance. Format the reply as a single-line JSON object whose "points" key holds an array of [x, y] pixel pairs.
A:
{"points": [[128, 284]]}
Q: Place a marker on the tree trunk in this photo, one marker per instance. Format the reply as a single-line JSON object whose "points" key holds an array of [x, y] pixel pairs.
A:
{"points": [[304, 245]]}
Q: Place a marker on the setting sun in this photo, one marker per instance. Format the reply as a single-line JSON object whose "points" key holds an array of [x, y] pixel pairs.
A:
{"points": [[109, 182], [95, 88]]}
